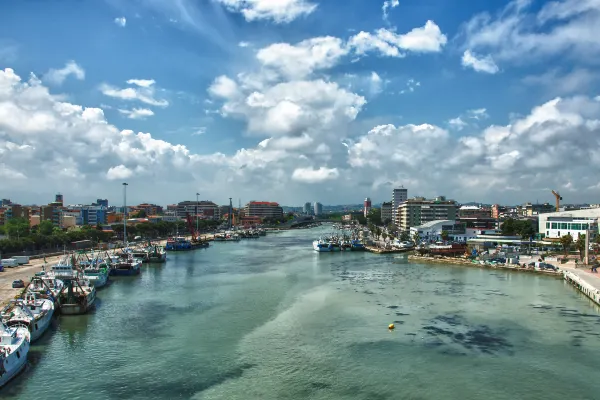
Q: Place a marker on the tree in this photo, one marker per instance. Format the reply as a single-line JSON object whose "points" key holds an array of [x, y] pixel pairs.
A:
{"points": [[566, 241], [405, 236], [445, 235], [375, 216], [580, 245], [384, 235], [513, 227], [416, 238], [46, 228]]}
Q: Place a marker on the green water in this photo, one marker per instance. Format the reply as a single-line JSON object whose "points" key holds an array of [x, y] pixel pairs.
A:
{"points": [[271, 319]]}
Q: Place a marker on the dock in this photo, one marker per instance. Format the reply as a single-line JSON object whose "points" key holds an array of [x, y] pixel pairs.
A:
{"points": [[379, 250], [586, 282]]}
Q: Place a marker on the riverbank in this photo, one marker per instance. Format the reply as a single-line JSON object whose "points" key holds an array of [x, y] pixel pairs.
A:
{"points": [[379, 250], [467, 263]]}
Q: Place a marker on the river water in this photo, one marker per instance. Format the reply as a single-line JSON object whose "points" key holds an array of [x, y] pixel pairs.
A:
{"points": [[272, 319]]}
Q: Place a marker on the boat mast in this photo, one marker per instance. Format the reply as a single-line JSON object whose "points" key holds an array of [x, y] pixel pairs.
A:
{"points": [[197, 232], [230, 211], [125, 214]]}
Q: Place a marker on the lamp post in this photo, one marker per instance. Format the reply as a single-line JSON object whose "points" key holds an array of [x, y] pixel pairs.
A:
{"points": [[197, 233], [125, 214]]}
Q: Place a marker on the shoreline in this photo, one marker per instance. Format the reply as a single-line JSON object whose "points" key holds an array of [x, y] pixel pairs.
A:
{"points": [[464, 263]]}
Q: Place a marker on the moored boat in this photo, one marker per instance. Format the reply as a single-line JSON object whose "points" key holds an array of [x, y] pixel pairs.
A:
{"points": [[33, 312], [126, 265], [14, 348]]}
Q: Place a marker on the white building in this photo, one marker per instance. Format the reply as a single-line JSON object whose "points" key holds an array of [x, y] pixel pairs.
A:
{"points": [[432, 231], [398, 196], [557, 224], [307, 209], [318, 208]]}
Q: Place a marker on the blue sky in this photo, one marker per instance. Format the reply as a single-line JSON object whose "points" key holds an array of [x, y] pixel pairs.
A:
{"points": [[301, 100]]}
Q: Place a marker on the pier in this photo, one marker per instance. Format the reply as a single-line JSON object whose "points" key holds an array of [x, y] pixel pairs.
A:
{"points": [[586, 282]]}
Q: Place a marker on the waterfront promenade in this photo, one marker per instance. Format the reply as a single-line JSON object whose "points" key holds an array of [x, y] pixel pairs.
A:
{"points": [[588, 282]]}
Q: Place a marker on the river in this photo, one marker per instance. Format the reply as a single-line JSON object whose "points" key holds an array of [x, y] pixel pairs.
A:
{"points": [[271, 319]]}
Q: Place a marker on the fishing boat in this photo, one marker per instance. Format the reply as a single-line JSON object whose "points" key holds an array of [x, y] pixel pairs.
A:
{"points": [[126, 265], [156, 253], [14, 348], [97, 273], [33, 312], [326, 245], [178, 243]]}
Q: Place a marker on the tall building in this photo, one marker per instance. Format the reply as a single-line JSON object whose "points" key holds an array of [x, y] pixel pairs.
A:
{"points": [[102, 202], [367, 207], [318, 208], [386, 212], [418, 211], [263, 209], [307, 209], [398, 196], [58, 199]]}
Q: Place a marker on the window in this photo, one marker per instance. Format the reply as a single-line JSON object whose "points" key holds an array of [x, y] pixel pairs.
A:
{"points": [[563, 226], [547, 225], [555, 226]]}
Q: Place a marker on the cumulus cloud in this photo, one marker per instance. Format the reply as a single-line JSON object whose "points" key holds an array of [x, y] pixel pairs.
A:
{"points": [[310, 175], [137, 113], [557, 82], [121, 21], [426, 39], [58, 76], [457, 123], [521, 33], [119, 172], [478, 63], [283, 11], [144, 92]]}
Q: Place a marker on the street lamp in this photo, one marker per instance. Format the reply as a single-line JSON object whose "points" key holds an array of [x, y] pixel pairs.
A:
{"points": [[197, 233], [125, 214]]}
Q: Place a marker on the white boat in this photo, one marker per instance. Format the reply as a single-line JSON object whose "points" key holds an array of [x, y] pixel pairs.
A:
{"points": [[35, 313], [326, 246], [403, 244], [14, 347]]}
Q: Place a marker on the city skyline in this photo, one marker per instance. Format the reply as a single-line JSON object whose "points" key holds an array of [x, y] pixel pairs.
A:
{"points": [[307, 101]]}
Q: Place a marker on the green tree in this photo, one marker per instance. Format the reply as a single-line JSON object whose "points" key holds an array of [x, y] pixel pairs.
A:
{"points": [[46, 228], [374, 216], [405, 236], [416, 238], [566, 241], [384, 235], [445, 235]]}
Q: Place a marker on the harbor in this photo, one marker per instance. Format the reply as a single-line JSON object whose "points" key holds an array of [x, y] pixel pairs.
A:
{"points": [[336, 309]]}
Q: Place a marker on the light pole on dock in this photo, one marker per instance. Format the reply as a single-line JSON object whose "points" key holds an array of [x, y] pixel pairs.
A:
{"points": [[125, 214], [197, 233]]}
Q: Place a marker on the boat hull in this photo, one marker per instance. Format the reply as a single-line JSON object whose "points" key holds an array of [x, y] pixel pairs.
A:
{"points": [[125, 272], [17, 364], [97, 280], [78, 309]]}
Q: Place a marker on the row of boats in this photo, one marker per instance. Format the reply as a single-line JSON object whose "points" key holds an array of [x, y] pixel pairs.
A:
{"points": [[343, 241], [68, 287]]}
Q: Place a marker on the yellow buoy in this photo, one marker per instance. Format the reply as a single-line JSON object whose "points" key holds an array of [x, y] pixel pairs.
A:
{"points": [[391, 326]]}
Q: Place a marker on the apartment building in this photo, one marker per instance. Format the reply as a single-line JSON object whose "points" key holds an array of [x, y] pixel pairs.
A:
{"points": [[386, 211], [263, 209], [418, 211], [205, 208], [399, 196]]}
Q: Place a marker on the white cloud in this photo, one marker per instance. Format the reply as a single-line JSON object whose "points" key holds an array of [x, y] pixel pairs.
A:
{"points": [[58, 76], [280, 11], [199, 131], [137, 113], [522, 34], [479, 63], [119, 172], [244, 44], [224, 87], [310, 175], [478, 113], [389, 4], [121, 21], [300, 60], [144, 92], [426, 39], [457, 123], [145, 83], [376, 84]]}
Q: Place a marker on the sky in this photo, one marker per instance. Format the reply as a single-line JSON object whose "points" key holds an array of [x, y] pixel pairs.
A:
{"points": [[299, 100]]}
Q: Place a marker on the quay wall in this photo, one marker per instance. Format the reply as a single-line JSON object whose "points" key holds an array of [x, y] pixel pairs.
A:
{"points": [[583, 286]]}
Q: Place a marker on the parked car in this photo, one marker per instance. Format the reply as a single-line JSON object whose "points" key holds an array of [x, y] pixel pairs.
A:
{"points": [[18, 284]]}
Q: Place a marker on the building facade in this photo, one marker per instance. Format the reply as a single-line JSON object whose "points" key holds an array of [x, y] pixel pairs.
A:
{"points": [[367, 207], [530, 210], [399, 196], [307, 209], [386, 212], [318, 208], [205, 208], [578, 217], [263, 209], [474, 212], [150, 209], [418, 211]]}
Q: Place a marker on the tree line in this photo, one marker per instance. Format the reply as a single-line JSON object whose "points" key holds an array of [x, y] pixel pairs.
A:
{"points": [[45, 236]]}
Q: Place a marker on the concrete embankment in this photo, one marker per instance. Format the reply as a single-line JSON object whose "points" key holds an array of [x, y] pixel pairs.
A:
{"points": [[587, 283], [468, 263], [379, 250]]}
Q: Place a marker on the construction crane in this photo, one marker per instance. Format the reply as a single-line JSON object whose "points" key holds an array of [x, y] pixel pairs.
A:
{"points": [[558, 199]]}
